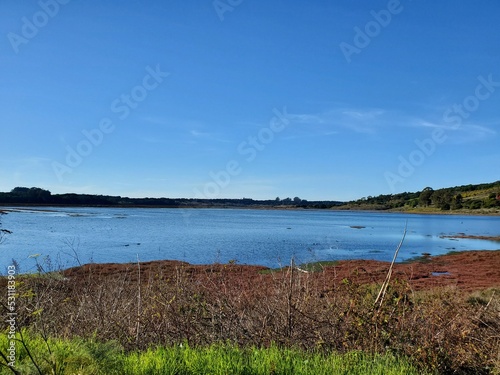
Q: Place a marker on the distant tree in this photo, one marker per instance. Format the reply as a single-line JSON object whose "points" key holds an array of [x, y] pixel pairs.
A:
{"points": [[457, 202], [20, 191], [475, 204], [425, 196], [437, 197], [30, 195], [297, 200], [277, 199], [442, 198], [413, 203]]}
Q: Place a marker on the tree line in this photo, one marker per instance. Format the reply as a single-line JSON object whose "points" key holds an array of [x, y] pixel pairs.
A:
{"points": [[38, 196], [470, 197]]}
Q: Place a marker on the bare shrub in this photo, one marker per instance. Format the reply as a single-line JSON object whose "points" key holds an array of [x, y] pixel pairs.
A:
{"points": [[442, 329]]}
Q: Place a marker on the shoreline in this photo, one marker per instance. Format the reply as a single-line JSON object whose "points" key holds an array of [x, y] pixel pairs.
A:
{"points": [[38, 207], [424, 212], [416, 259], [473, 237]]}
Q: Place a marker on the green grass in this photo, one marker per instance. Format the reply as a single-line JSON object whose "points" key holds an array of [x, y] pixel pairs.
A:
{"points": [[309, 267], [78, 356], [318, 266], [417, 259]]}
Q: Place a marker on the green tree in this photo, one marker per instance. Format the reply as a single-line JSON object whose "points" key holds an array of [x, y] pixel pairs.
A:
{"points": [[442, 199], [413, 203], [425, 196], [31, 195], [457, 202]]}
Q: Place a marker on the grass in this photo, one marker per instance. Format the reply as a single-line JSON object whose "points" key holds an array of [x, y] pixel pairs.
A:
{"points": [[78, 356], [418, 258], [309, 267], [318, 266], [228, 359]]}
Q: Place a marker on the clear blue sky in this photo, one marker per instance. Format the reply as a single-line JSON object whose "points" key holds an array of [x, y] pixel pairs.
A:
{"points": [[180, 98]]}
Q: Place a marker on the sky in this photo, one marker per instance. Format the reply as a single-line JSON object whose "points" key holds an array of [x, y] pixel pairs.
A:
{"points": [[324, 100]]}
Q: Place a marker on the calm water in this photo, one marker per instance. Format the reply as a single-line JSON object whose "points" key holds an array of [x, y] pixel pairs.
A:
{"points": [[263, 237]]}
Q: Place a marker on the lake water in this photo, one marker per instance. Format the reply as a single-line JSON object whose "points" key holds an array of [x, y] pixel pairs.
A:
{"points": [[265, 237]]}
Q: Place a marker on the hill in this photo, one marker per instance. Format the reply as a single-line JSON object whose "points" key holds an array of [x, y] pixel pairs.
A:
{"points": [[479, 198]]}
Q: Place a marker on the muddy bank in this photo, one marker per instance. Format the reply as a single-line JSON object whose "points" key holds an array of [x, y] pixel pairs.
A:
{"points": [[474, 237]]}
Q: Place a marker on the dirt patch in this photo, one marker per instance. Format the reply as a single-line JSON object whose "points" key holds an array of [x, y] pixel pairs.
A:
{"points": [[468, 271]]}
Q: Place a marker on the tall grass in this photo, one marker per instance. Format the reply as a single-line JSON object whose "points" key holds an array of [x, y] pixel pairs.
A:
{"points": [[91, 357], [36, 354], [229, 359]]}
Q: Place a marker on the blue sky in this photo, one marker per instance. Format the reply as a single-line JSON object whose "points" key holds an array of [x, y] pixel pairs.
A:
{"points": [[322, 100]]}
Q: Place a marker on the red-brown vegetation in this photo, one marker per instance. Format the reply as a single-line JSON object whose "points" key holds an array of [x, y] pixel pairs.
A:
{"points": [[448, 322]]}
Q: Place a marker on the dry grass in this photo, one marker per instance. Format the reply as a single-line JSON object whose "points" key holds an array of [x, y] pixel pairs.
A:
{"points": [[442, 330]]}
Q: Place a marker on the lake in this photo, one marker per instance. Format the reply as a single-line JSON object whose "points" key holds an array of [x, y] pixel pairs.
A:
{"points": [[265, 237]]}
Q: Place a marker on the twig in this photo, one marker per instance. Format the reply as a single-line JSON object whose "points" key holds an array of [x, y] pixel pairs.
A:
{"points": [[485, 307], [385, 285], [74, 245], [138, 300], [301, 270], [289, 300], [489, 302]]}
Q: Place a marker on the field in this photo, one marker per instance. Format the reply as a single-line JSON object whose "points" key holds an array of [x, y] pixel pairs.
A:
{"points": [[438, 315]]}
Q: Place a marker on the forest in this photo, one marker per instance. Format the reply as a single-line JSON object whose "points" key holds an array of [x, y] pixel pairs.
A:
{"points": [[38, 196]]}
